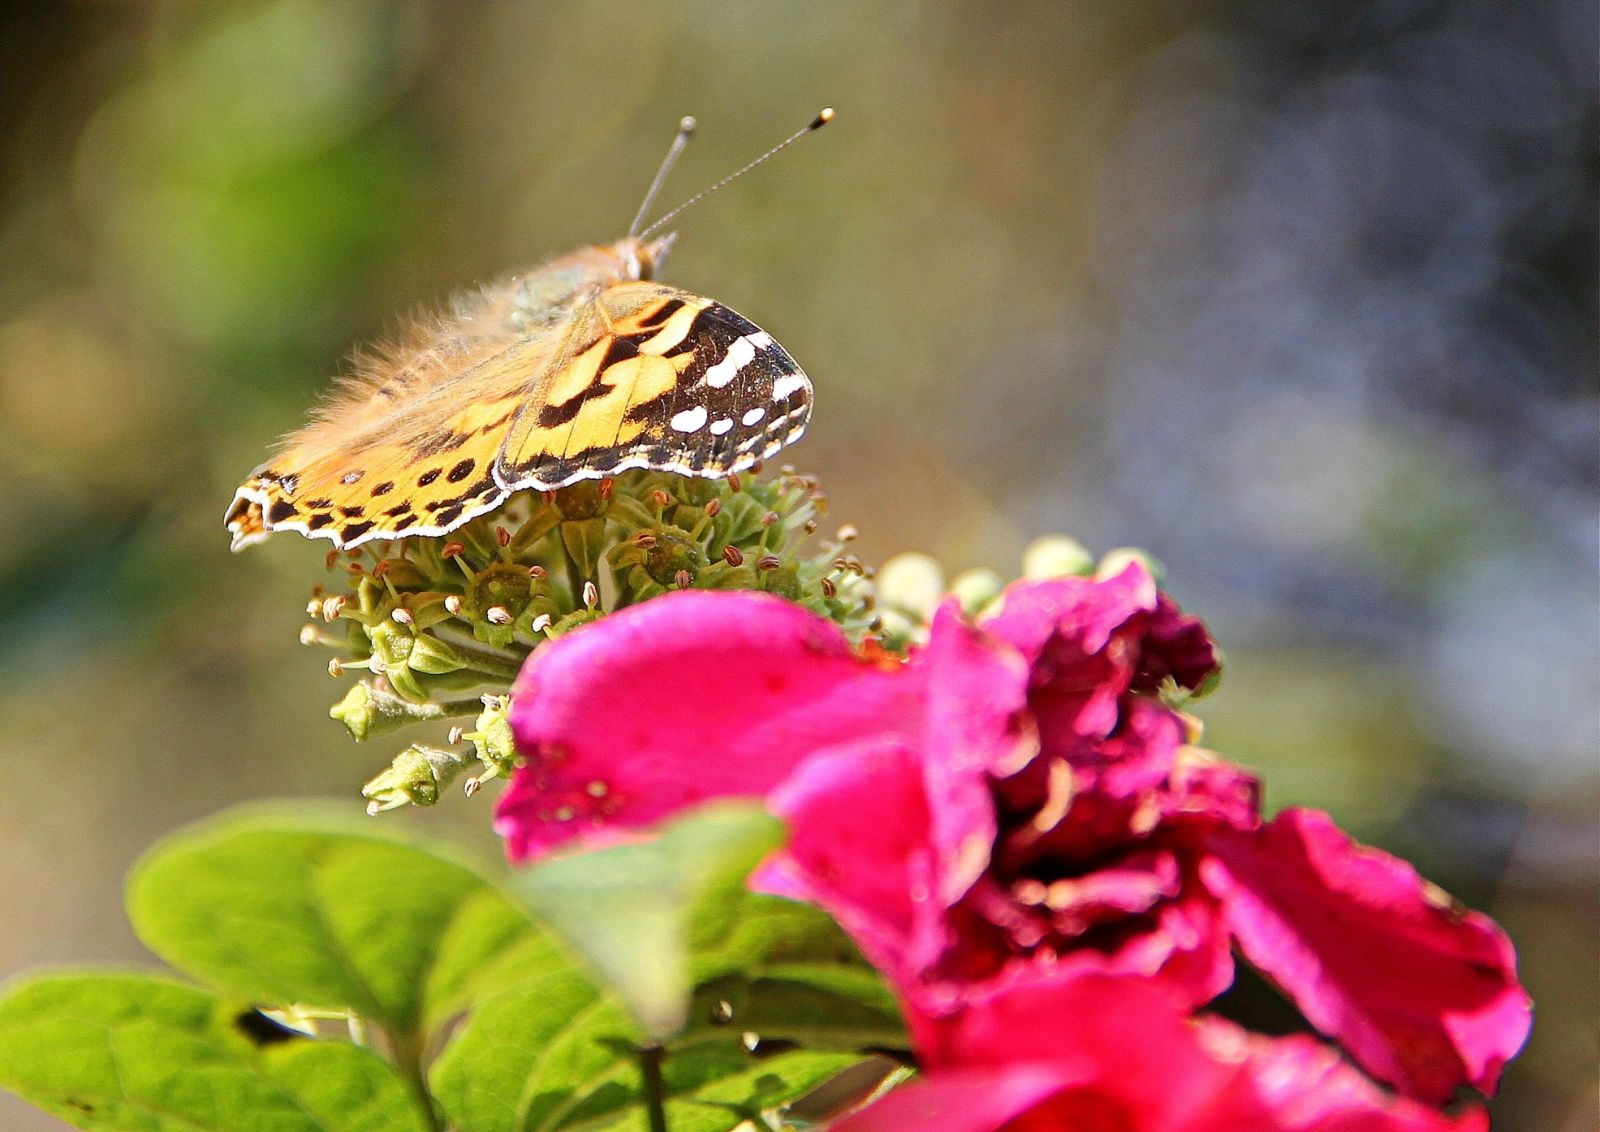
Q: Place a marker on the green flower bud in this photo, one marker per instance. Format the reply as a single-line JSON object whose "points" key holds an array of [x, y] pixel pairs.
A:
{"points": [[369, 710], [976, 589], [1056, 556], [585, 540], [493, 741], [416, 775], [911, 583], [586, 499]]}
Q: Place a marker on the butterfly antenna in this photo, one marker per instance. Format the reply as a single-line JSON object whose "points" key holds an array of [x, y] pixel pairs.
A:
{"points": [[685, 128], [823, 117]]}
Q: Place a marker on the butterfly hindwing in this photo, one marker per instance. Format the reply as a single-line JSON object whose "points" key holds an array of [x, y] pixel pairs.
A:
{"points": [[678, 382]]}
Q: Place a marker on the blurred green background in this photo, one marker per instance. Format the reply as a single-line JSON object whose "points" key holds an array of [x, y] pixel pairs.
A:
{"points": [[1298, 295]]}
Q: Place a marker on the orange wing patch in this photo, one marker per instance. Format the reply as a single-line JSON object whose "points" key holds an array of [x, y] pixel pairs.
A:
{"points": [[410, 450]]}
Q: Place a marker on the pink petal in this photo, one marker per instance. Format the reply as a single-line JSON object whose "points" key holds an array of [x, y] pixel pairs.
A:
{"points": [[974, 727], [1177, 646], [973, 1101], [859, 848], [1309, 1088], [1138, 1063], [1070, 631], [1126, 1057], [1423, 995], [1084, 612], [686, 697]]}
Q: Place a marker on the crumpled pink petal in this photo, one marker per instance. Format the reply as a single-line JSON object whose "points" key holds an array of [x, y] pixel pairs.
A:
{"points": [[1121, 1055], [1423, 995], [1176, 646], [971, 1101], [1068, 631], [975, 696], [689, 696], [859, 847]]}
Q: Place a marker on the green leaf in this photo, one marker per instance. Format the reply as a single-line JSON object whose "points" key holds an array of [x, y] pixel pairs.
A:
{"points": [[127, 1051], [324, 911], [781, 1000], [627, 908]]}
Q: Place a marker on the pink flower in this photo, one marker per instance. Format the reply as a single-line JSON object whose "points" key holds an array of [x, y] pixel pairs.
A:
{"points": [[1101, 1053], [1013, 806]]}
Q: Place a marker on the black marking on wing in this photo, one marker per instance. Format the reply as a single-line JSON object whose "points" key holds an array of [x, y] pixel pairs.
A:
{"points": [[714, 332]]}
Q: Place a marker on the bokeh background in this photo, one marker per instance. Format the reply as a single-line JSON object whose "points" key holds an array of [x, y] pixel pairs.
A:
{"points": [[1299, 295]]}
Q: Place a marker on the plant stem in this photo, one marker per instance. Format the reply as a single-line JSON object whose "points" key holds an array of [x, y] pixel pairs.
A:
{"points": [[407, 1053], [655, 1090]]}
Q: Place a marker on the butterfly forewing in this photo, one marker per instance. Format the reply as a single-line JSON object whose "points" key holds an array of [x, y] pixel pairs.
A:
{"points": [[679, 383]]}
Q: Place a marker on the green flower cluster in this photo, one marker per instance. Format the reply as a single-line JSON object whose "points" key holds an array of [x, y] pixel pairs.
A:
{"points": [[442, 625]]}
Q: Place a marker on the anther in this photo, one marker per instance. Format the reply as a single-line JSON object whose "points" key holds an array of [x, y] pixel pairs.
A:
{"points": [[308, 635], [770, 518], [402, 616], [472, 785], [848, 533], [605, 489], [540, 623], [451, 549], [591, 595], [453, 736], [735, 484], [502, 536], [330, 559], [335, 668], [661, 496], [452, 604], [314, 607], [684, 579], [356, 569], [811, 527], [768, 562], [755, 468], [497, 615], [382, 568], [332, 607], [645, 539], [829, 589], [732, 555], [538, 573], [713, 507]]}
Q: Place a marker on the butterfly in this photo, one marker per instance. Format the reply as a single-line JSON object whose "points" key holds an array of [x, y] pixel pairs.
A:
{"points": [[580, 369]]}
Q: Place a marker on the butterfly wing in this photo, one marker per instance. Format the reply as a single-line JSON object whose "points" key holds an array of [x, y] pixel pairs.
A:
{"points": [[675, 382], [409, 446]]}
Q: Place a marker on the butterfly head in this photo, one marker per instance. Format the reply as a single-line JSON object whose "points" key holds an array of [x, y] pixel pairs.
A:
{"points": [[641, 259]]}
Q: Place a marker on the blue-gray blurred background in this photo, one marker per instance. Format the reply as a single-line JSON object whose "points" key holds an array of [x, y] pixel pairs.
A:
{"points": [[1300, 295]]}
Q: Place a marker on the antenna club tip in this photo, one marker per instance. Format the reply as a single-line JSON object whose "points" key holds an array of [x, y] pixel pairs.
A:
{"points": [[687, 124], [824, 116]]}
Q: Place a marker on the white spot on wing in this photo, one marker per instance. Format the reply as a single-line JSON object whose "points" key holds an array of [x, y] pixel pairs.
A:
{"points": [[721, 426], [739, 355], [753, 416], [787, 385], [690, 420]]}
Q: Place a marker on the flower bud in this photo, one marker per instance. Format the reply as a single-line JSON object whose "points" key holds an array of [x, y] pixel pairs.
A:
{"points": [[416, 775], [368, 710], [911, 583], [1056, 556], [975, 589]]}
